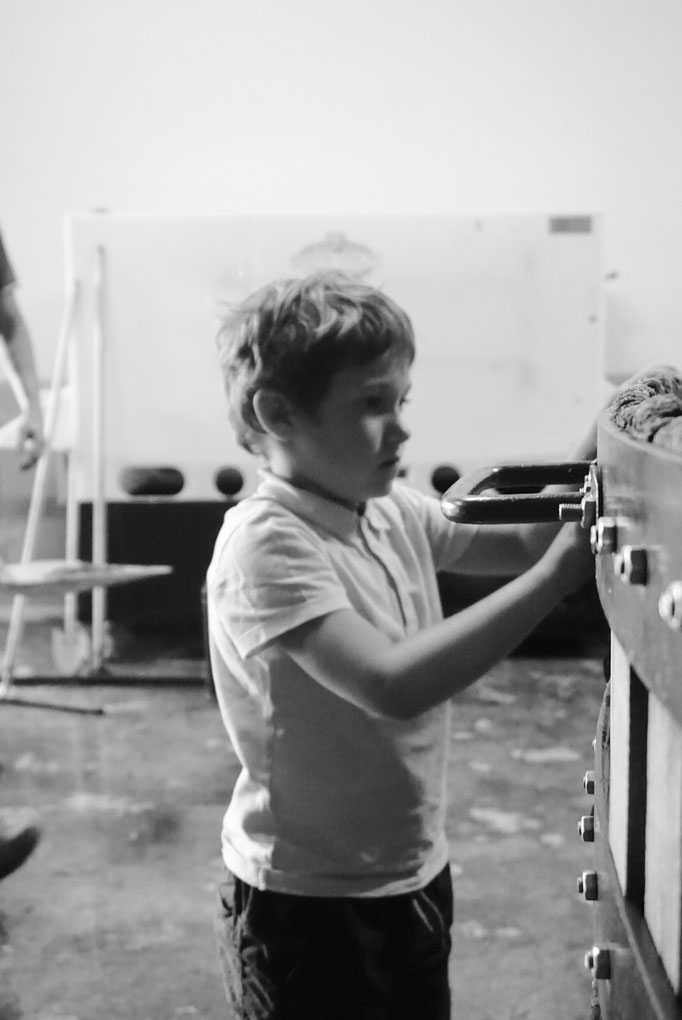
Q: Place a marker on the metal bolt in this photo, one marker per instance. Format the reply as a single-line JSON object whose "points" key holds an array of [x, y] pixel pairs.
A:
{"points": [[605, 535], [670, 605], [588, 782], [586, 828], [585, 511], [570, 512], [630, 564], [587, 885], [589, 506], [598, 960]]}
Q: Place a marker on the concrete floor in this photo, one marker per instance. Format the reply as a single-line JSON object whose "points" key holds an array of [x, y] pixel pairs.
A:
{"points": [[111, 919]]}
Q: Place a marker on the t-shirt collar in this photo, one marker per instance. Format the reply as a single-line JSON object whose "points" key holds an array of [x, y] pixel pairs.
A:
{"points": [[320, 510]]}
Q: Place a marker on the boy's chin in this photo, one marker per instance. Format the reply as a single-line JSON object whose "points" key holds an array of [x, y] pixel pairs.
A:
{"points": [[381, 488]]}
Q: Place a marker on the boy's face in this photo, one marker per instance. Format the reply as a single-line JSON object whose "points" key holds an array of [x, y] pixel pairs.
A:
{"points": [[350, 446]]}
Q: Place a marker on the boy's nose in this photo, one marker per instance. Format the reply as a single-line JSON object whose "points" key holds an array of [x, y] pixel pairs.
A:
{"points": [[402, 432]]}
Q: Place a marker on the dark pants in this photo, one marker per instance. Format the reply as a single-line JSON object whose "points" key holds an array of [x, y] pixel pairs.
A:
{"points": [[345, 958]]}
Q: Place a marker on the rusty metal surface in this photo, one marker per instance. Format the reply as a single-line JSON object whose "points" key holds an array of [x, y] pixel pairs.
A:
{"points": [[641, 488]]}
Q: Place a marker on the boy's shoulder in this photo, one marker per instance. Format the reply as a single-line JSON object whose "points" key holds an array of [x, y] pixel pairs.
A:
{"points": [[261, 523], [253, 508], [262, 516], [258, 539]]}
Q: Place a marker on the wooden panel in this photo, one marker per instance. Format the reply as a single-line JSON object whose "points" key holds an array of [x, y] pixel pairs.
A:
{"points": [[663, 889], [628, 793], [620, 755]]}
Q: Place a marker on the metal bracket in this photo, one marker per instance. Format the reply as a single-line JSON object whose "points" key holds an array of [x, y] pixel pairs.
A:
{"points": [[463, 504]]}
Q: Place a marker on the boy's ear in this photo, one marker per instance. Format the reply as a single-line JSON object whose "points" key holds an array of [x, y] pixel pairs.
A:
{"points": [[273, 411]]}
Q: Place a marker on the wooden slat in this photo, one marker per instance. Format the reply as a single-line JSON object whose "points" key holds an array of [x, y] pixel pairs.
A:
{"points": [[663, 876], [628, 791], [620, 756]]}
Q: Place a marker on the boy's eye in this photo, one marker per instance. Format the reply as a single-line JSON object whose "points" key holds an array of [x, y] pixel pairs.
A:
{"points": [[383, 405]]}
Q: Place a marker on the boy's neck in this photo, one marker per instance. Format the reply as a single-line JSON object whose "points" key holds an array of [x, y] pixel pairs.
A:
{"points": [[317, 490]]}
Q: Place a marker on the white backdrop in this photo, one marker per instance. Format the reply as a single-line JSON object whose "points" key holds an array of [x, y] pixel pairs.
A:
{"points": [[506, 310]]}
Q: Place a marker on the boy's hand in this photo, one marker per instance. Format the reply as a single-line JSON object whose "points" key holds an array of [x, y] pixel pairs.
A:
{"points": [[31, 441]]}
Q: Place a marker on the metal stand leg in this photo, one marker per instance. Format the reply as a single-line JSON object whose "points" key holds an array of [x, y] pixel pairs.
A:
{"points": [[37, 492]]}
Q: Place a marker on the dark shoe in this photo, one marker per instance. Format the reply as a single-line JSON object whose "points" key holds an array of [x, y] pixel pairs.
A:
{"points": [[19, 835]]}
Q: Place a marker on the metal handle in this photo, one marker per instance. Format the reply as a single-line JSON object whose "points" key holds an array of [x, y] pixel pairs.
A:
{"points": [[461, 502]]}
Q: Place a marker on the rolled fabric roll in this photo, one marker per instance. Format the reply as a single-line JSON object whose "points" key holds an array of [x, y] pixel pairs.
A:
{"points": [[647, 417], [669, 436], [647, 409]]}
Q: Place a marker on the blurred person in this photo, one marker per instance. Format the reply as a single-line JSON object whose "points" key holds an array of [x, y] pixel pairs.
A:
{"points": [[17, 340], [19, 827]]}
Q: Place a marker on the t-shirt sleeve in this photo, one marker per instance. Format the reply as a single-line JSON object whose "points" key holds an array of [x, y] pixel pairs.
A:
{"points": [[447, 540], [269, 577]]}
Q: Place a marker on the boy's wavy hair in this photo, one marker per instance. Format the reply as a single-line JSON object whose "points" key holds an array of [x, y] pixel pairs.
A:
{"points": [[294, 335]]}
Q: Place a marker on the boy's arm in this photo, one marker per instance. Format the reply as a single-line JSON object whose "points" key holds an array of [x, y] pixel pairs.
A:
{"points": [[350, 657], [506, 550]]}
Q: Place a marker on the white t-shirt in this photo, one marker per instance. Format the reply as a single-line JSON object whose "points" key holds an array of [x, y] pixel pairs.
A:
{"points": [[332, 799]]}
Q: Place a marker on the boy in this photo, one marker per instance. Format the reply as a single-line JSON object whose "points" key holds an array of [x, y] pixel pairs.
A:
{"points": [[334, 667]]}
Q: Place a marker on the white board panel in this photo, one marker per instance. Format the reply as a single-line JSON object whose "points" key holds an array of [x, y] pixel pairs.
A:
{"points": [[506, 311]]}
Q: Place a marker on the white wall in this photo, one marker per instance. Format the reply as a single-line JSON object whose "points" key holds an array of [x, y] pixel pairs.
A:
{"points": [[352, 105], [506, 310]]}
